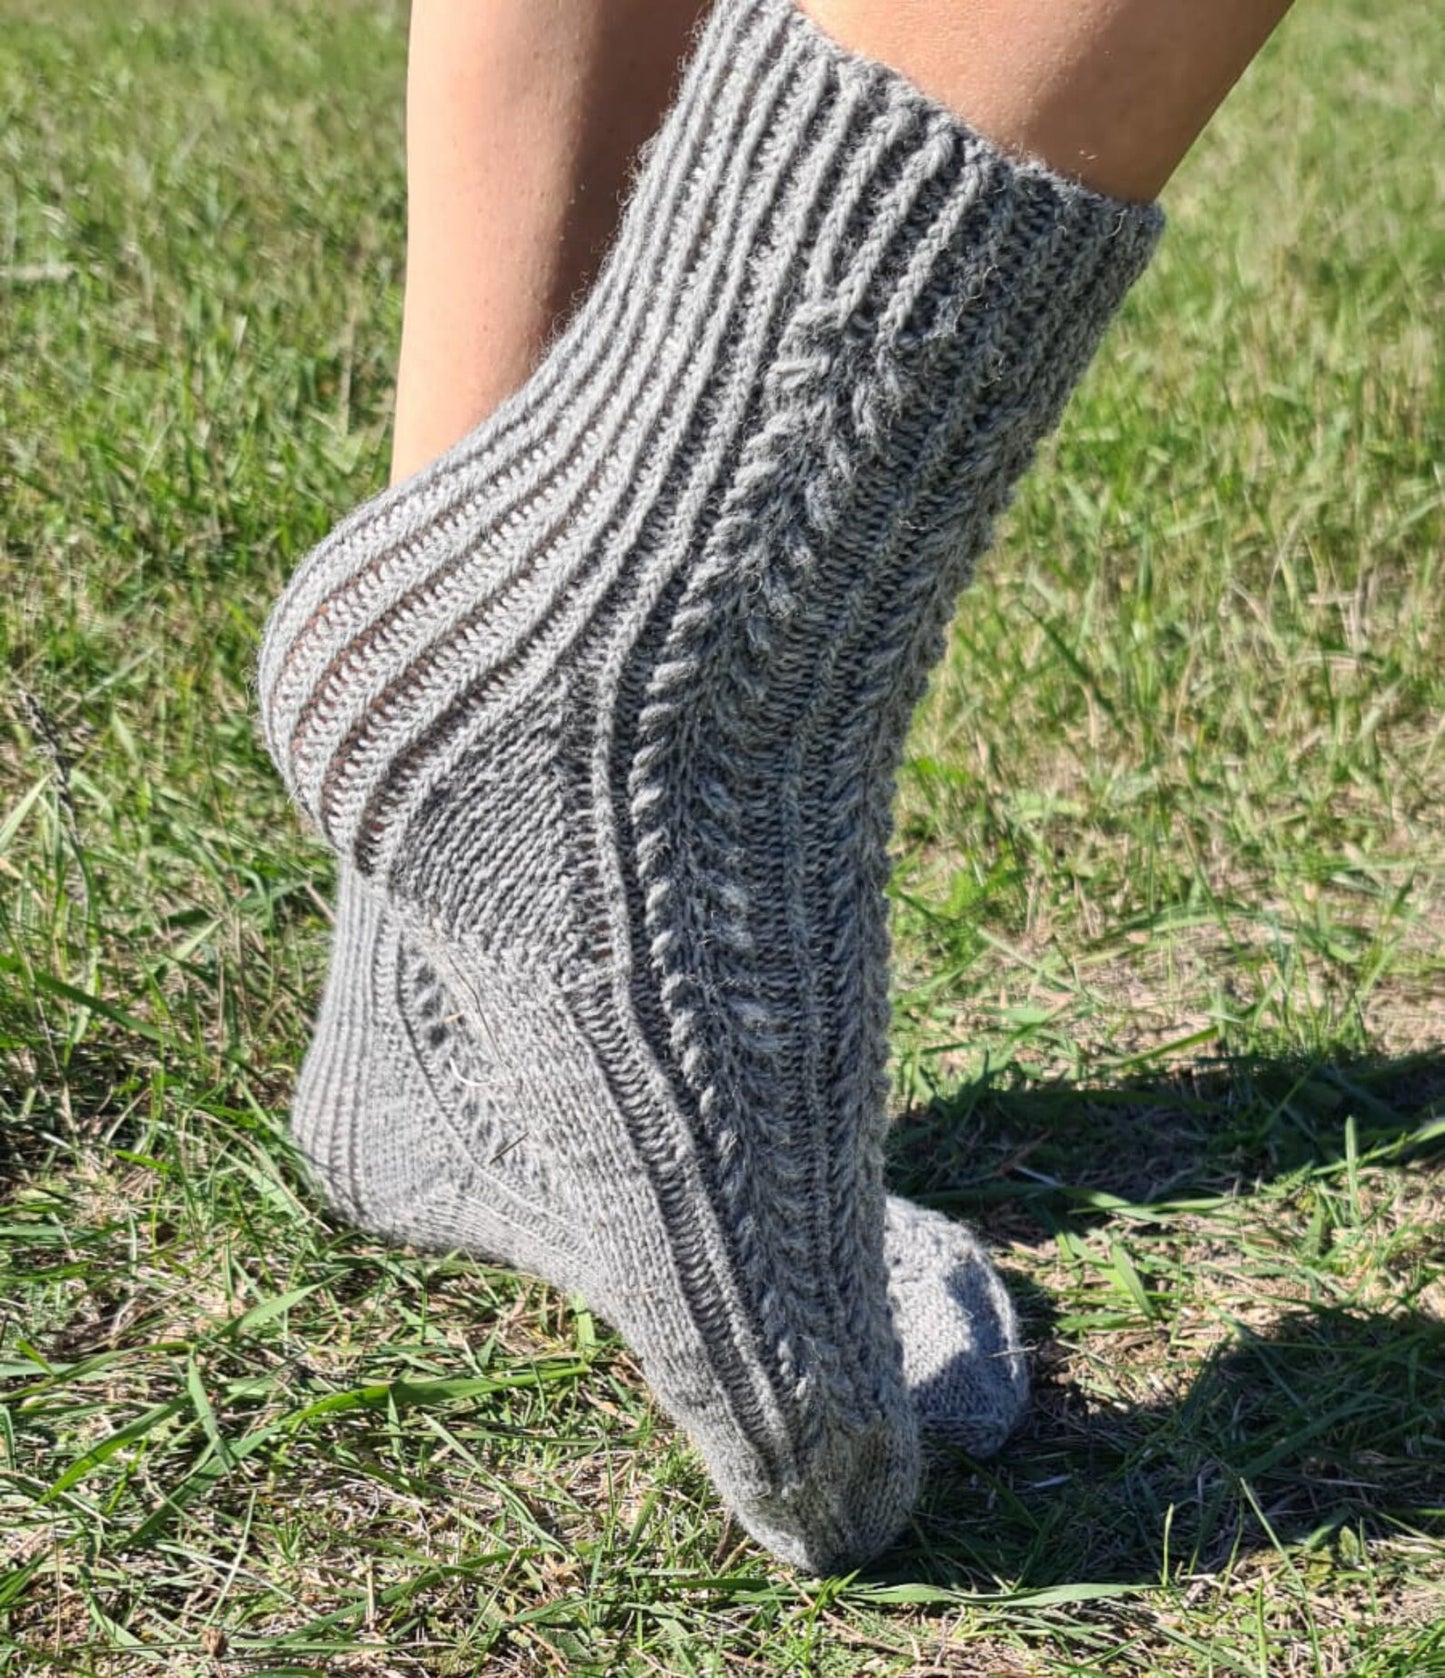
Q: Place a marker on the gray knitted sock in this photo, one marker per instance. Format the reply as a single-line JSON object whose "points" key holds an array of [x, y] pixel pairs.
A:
{"points": [[607, 704], [394, 1112]]}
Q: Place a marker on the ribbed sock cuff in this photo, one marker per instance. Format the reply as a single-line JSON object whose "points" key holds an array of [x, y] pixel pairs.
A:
{"points": [[808, 230]]}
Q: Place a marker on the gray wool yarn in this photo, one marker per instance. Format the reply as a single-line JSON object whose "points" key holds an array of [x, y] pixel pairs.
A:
{"points": [[390, 1111], [605, 706]]}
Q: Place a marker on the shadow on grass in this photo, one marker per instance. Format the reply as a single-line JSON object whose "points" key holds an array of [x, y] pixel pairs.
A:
{"points": [[1323, 1432], [1025, 1161]]}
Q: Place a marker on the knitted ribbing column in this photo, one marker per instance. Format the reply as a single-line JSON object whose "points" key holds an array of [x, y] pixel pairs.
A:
{"points": [[395, 1097], [605, 707]]}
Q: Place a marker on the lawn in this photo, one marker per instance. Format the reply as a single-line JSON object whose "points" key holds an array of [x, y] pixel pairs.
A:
{"points": [[1169, 913]]}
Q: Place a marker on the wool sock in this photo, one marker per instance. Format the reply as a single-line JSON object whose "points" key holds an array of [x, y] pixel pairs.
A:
{"points": [[396, 1112], [606, 706]]}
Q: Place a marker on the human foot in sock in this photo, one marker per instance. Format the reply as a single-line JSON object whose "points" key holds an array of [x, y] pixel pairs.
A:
{"points": [[394, 1112], [606, 706]]}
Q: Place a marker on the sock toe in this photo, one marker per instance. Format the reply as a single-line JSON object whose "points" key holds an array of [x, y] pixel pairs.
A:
{"points": [[962, 1356]]}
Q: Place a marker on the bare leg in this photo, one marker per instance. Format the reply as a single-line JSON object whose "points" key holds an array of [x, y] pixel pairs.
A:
{"points": [[1111, 92], [523, 118]]}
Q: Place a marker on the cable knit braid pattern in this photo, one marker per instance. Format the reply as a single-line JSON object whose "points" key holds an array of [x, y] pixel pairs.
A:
{"points": [[393, 1101], [602, 712]]}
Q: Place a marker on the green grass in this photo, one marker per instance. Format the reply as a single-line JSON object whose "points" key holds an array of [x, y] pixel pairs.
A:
{"points": [[1170, 912]]}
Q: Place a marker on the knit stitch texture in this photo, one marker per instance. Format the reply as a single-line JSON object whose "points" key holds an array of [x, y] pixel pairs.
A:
{"points": [[392, 1110], [606, 706]]}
